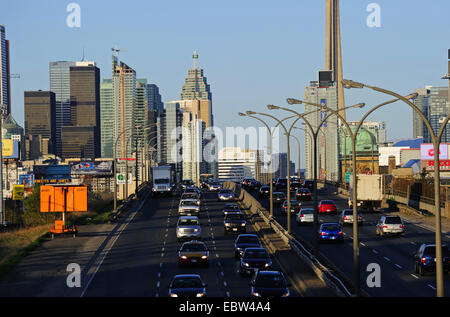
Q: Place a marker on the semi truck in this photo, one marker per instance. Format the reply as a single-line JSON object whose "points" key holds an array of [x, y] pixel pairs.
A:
{"points": [[162, 180], [369, 191]]}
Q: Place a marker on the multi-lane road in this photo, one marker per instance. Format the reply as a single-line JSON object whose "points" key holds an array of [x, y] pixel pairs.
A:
{"points": [[130, 268], [393, 254]]}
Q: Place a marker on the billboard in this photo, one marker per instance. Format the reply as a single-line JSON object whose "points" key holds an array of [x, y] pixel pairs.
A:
{"points": [[10, 149], [26, 180], [427, 151], [63, 198], [323, 114], [444, 165], [97, 168], [45, 174], [18, 192]]}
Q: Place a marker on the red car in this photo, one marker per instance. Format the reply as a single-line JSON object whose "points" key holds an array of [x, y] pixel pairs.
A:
{"points": [[327, 206]]}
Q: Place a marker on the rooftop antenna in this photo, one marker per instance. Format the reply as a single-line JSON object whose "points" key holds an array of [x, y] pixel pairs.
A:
{"points": [[83, 59], [195, 57]]}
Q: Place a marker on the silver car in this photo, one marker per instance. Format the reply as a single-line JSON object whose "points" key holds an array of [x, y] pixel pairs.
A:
{"points": [[189, 207], [388, 225], [347, 217], [188, 227], [305, 215]]}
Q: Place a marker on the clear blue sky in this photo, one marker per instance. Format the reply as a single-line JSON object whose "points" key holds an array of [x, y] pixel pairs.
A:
{"points": [[254, 52]]}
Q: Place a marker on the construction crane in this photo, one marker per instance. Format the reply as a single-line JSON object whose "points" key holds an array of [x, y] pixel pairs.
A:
{"points": [[116, 50]]}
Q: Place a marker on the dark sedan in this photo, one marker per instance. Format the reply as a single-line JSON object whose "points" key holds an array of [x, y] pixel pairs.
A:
{"points": [[269, 284], [187, 285], [254, 259], [234, 222], [264, 192], [244, 241]]}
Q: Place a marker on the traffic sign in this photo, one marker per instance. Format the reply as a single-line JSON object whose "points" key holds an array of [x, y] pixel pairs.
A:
{"points": [[121, 178], [347, 177]]}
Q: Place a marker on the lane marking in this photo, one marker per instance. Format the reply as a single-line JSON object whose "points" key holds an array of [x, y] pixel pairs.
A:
{"points": [[399, 266], [432, 287], [415, 276], [387, 259], [375, 251]]}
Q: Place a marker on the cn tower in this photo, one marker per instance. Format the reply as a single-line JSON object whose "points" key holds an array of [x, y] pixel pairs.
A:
{"points": [[333, 53]]}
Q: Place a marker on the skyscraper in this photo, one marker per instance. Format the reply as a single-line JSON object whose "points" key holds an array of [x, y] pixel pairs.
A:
{"points": [[84, 113], [420, 102], [333, 51], [107, 118], [4, 70], [40, 123], [154, 98], [325, 93], [124, 85]]}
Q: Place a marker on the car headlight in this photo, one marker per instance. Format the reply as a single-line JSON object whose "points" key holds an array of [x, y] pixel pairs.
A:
{"points": [[242, 224], [286, 294], [195, 230], [184, 257], [173, 295], [227, 224], [268, 264], [204, 257], [256, 294], [200, 295], [245, 264]]}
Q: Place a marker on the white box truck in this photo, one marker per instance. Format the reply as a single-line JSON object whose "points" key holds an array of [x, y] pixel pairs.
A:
{"points": [[369, 191], [162, 180]]}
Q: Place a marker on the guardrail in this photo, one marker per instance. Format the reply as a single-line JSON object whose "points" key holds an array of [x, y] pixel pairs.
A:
{"points": [[322, 272], [115, 215]]}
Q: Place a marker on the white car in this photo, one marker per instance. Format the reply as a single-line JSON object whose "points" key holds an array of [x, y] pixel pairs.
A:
{"points": [[305, 215], [188, 227], [390, 225], [214, 186], [189, 207]]}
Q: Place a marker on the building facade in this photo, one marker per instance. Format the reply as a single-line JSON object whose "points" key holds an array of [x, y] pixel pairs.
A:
{"points": [[40, 123], [5, 94], [107, 118], [236, 163]]}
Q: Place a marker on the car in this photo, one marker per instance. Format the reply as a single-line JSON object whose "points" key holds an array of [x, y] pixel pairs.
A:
{"points": [[307, 183], [330, 231], [264, 192], [193, 189], [188, 227], [234, 222], [279, 198], [295, 207], [189, 207], [193, 252], [187, 183], [214, 186], [390, 225], [230, 207], [425, 259], [295, 185], [187, 285], [254, 185], [246, 182], [327, 206], [225, 195], [190, 196], [281, 184], [305, 215], [303, 194], [269, 284], [346, 217], [254, 259], [244, 241]]}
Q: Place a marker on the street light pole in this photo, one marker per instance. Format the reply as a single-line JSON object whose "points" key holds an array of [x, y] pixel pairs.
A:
{"points": [[436, 139]]}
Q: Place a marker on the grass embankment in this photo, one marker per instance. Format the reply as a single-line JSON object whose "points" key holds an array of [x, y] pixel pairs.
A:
{"points": [[16, 244]]}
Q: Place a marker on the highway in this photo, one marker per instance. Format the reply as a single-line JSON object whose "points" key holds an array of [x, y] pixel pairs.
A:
{"points": [[393, 254], [144, 258]]}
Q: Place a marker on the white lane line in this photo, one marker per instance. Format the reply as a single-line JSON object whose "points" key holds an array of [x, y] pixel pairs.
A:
{"points": [[157, 295], [162, 254], [162, 250], [228, 294], [217, 255], [160, 265], [387, 259], [224, 283], [375, 251], [415, 276], [362, 244], [159, 274], [157, 284], [413, 243], [222, 274], [432, 287], [399, 266]]}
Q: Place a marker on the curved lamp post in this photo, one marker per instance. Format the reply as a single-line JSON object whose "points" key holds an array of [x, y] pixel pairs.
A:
{"points": [[354, 178], [436, 140]]}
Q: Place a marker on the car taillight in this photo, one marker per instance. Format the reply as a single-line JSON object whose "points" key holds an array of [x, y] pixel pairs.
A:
{"points": [[423, 260], [384, 227], [360, 218], [301, 216], [340, 233], [308, 194], [323, 233], [402, 227], [345, 217]]}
